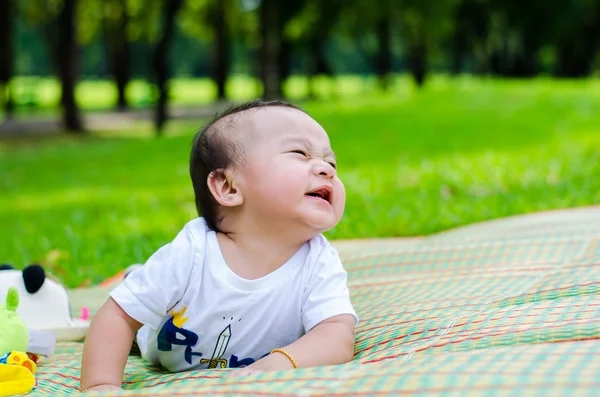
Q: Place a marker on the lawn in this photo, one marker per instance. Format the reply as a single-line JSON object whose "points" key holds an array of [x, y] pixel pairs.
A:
{"points": [[42, 94], [461, 151]]}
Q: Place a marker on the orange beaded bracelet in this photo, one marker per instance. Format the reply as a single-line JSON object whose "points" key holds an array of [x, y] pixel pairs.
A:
{"points": [[287, 355]]}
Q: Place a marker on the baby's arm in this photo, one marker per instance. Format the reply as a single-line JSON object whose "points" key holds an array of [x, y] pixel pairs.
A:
{"points": [[107, 347], [328, 316], [329, 342]]}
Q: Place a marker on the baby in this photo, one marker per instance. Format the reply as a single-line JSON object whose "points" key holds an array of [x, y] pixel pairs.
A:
{"points": [[252, 284]]}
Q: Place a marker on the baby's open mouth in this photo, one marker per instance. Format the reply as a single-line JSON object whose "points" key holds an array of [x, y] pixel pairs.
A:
{"points": [[322, 193]]}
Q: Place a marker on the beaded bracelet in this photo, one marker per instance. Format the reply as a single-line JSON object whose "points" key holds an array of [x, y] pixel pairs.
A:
{"points": [[287, 355]]}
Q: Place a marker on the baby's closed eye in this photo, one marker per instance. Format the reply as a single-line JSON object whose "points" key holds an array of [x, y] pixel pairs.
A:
{"points": [[305, 153], [301, 152]]}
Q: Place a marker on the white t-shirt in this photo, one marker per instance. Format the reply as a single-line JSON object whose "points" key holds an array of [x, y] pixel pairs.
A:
{"points": [[197, 313]]}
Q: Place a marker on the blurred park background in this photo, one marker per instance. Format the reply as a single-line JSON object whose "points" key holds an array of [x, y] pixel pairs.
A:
{"points": [[442, 113]]}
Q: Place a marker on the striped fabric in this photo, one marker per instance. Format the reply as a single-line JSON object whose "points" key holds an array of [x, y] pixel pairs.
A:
{"points": [[507, 307]]}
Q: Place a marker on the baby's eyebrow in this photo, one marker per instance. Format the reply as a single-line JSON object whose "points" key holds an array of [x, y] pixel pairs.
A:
{"points": [[303, 142], [330, 152], [306, 143]]}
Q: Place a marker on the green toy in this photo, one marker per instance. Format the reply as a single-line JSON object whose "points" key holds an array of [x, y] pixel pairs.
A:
{"points": [[16, 369], [13, 331]]}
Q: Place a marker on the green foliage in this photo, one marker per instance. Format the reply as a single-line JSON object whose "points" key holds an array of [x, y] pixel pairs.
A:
{"points": [[413, 162], [90, 15], [500, 36], [195, 18], [39, 11], [93, 16], [432, 17]]}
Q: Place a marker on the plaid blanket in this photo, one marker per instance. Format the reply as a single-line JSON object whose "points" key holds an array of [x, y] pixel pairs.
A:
{"points": [[505, 307]]}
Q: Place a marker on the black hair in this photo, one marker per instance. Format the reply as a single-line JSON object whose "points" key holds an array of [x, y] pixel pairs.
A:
{"points": [[213, 151]]}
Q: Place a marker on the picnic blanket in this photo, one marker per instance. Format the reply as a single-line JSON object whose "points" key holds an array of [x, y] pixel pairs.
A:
{"points": [[508, 307]]}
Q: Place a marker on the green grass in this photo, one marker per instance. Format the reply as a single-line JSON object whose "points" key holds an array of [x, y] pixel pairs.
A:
{"points": [[41, 95], [414, 163]]}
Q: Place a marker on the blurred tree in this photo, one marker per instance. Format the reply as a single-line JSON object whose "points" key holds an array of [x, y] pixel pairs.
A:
{"points": [[67, 61], [310, 26], [57, 19], [7, 16], [212, 20], [115, 20], [271, 39], [270, 33], [128, 30], [288, 43], [222, 50], [384, 52], [275, 50], [370, 26], [424, 24], [515, 37], [160, 61], [62, 34], [470, 29], [577, 37], [519, 31]]}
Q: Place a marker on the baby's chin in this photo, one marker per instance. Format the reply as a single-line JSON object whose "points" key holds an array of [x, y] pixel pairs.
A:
{"points": [[322, 227]]}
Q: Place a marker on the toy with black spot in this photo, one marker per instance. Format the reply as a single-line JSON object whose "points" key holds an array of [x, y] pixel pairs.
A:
{"points": [[43, 303]]}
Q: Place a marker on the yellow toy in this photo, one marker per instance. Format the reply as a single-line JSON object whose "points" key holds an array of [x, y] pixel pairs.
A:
{"points": [[20, 359], [15, 380], [16, 369]]}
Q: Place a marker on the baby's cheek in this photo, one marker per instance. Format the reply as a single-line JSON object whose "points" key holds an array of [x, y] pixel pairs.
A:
{"points": [[340, 199], [341, 190]]}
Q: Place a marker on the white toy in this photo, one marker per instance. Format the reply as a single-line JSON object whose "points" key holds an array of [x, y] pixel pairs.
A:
{"points": [[43, 303]]}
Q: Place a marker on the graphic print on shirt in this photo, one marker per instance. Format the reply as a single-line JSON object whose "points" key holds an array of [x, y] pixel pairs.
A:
{"points": [[173, 333], [220, 348], [167, 337]]}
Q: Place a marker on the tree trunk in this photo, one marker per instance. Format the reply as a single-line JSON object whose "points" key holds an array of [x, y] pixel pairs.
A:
{"points": [[524, 65], [285, 59], [384, 53], [119, 54], [314, 64], [573, 63], [68, 63], [270, 49], [222, 49], [519, 64], [161, 69], [471, 30], [417, 58], [458, 51], [6, 55], [459, 38], [577, 53], [317, 62]]}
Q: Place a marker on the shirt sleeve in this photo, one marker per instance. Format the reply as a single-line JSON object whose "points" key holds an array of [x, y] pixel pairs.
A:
{"points": [[327, 294], [149, 292]]}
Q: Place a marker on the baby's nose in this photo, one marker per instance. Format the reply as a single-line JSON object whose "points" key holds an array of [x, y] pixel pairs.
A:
{"points": [[325, 169]]}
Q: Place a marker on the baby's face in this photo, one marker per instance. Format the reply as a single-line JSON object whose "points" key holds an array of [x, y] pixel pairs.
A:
{"points": [[290, 176]]}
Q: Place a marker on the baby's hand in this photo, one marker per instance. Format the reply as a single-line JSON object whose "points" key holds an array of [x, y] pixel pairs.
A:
{"points": [[102, 388], [238, 373]]}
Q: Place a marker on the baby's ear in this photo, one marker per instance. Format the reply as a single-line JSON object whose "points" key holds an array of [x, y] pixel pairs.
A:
{"points": [[222, 186]]}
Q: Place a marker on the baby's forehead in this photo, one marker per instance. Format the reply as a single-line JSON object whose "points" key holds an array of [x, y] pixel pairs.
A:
{"points": [[284, 124], [270, 124], [252, 120]]}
